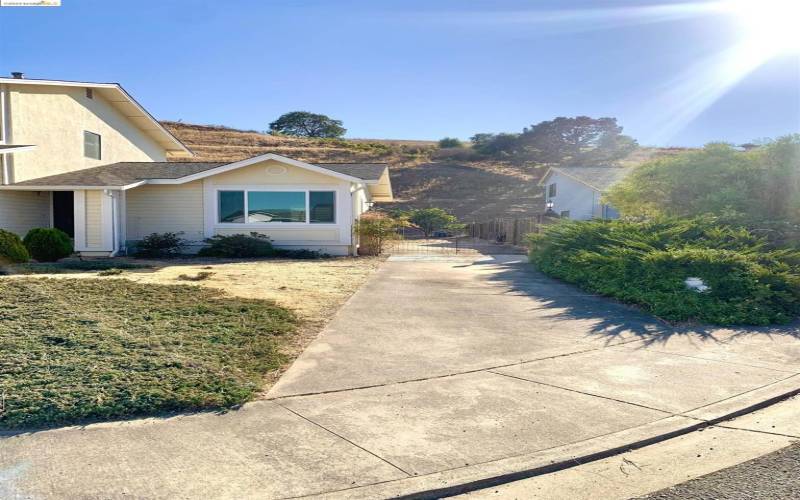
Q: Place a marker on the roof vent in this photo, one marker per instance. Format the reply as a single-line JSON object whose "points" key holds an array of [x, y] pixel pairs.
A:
{"points": [[19, 75]]}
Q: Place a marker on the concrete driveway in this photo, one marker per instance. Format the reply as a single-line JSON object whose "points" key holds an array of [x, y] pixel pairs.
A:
{"points": [[438, 372]]}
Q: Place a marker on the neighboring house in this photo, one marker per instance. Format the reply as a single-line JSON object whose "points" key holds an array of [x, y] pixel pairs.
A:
{"points": [[88, 159], [576, 192]]}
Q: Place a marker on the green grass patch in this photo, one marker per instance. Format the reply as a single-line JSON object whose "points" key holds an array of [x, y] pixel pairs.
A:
{"points": [[647, 263], [71, 266], [76, 350]]}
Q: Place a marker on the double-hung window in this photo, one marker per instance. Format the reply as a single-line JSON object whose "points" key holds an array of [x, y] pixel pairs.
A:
{"points": [[267, 207], [91, 145]]}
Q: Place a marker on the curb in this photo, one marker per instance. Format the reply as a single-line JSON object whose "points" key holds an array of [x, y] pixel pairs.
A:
{"points": [[548, 461]]}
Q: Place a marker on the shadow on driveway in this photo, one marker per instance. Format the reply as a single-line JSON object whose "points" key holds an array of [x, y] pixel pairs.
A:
{"points": [[611, 319]]}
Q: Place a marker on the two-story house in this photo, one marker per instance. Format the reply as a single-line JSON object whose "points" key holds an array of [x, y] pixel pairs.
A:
{"points": [[90, 160], [575, 192]]}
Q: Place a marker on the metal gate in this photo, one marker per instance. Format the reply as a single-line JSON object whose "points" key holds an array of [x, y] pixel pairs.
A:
{"points": [[413, 243]]}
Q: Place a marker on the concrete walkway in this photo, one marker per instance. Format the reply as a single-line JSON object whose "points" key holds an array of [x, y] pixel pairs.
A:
{"points": [[438, 372]]}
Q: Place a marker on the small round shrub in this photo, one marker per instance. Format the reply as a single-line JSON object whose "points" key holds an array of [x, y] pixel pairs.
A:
{"points": [[450, 142], [11, 248], [238, 246], [48, 244], [160, 245]]}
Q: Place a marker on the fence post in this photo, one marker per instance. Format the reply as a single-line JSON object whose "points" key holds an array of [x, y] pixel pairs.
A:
{"points": [[515, 238]]}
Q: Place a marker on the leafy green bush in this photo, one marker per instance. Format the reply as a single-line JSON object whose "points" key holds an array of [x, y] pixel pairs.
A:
{"points": [[647, 263], [160, 245], [11, 248], [750, 187], [374, 229], [300, 253], [430, 220], [450, 142], [48, 244], [238, 246]]}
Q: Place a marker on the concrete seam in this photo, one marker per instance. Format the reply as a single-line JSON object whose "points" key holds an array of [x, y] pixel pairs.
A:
{"points": [[741, 394], [736, 363], [436, 377], [670, 413], [345, 439], [757, 431]]}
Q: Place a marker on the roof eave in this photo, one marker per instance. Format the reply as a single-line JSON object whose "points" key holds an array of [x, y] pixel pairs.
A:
{"points": [[76, 187], [252, 161]]}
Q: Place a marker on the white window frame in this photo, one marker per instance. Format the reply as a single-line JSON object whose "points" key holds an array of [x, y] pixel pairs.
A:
{"points": [[262, 225], [99, 145]]}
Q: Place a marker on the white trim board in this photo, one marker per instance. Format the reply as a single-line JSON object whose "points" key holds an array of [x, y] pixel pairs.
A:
{"points": [[258, 159]]}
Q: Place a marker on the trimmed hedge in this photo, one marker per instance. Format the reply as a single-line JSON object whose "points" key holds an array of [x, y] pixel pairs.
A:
{"points": [[160, 245], [238, 246], [647, 263], [12, 250], [48, 244], [242, 246]]}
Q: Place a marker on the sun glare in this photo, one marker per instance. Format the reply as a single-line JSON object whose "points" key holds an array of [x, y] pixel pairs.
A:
{"points": [[771, 27]]}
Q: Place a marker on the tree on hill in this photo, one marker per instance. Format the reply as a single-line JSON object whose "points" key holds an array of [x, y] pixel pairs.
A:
{"points": [[580, 140], [449, 142], [757, 186], [305, 124], [430, 220], [495, 144]]}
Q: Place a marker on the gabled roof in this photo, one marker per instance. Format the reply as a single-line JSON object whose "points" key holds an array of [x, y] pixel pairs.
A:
{"points": [[598, 178], [365, 171], [126, 175], [120, 175], [125, 104]]}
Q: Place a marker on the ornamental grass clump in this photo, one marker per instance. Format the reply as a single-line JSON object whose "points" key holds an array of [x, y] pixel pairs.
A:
{"points": [[647, 263]]}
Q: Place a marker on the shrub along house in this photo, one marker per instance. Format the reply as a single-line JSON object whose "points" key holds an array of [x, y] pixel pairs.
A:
{"points": [[88, 159], [576, 192]]}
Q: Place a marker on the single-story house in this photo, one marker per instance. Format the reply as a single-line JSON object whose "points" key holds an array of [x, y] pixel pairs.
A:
{"points": [[96, 167], [575, 192]]}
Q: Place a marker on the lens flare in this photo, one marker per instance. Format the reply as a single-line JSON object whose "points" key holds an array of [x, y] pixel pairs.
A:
{"points": [[769, 27]]}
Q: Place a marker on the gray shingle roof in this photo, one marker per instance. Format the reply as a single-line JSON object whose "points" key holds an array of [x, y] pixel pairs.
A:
{"points": [[125, 173], [600, 178], [122, 174], [363, 171]]}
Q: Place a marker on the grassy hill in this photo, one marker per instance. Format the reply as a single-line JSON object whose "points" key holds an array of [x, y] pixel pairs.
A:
{"points": [[422, 174]]}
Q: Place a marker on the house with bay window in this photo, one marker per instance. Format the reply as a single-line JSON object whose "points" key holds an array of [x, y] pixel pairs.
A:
{"points": [[88, 159]]}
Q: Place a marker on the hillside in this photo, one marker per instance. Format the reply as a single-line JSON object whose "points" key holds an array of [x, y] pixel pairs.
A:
{"points": [[422, 174]]}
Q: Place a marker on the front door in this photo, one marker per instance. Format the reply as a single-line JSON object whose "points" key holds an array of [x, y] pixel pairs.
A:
{"points": [[64, 212]]}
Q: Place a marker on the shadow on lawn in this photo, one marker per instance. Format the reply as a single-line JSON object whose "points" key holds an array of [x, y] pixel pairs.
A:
{"points": [[608, 318]]}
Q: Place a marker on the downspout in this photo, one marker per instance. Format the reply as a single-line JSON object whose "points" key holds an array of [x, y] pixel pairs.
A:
{"points": [[353, 243], [4, 134]]}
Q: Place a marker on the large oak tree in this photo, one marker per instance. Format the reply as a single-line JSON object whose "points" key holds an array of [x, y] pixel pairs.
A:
{"points": [[305, 124]]}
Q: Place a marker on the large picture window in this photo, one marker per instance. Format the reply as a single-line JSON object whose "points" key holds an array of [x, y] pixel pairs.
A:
{"points": [[266, 207], [276, 206]]}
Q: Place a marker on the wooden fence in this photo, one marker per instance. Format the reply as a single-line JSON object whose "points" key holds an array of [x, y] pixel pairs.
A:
{"points": [[510, 231]]}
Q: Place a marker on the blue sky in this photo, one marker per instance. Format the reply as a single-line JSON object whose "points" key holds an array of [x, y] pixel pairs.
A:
{"points": [[414, 69]]}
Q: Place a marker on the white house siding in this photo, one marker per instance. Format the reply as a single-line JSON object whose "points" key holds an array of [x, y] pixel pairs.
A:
{"points": [[21, 211], [580, 200], [330, 238], [166, 208], [93, 218], [54, 119]]}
